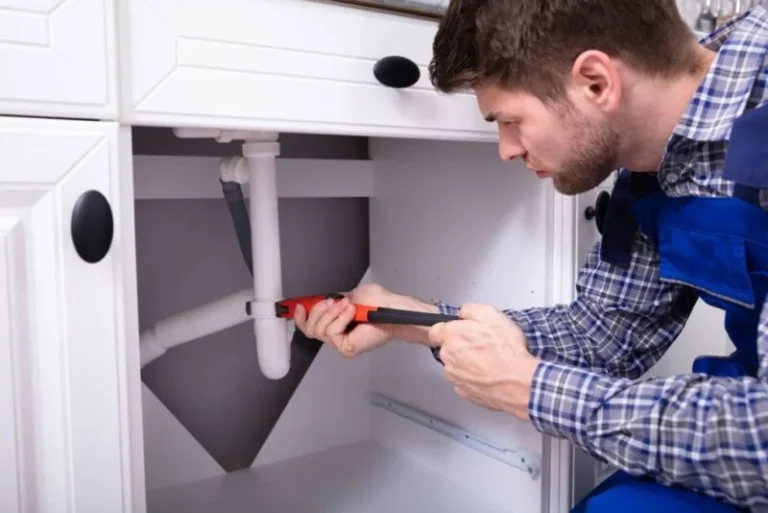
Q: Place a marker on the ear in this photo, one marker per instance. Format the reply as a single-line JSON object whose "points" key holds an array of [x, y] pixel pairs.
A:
{"points": [[597, 79]]}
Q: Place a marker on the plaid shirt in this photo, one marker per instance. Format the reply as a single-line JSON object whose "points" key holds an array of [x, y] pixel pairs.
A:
{"points": [[708, 434]]}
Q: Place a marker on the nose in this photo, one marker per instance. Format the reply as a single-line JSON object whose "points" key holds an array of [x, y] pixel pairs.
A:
{"points": [[510, 149]]}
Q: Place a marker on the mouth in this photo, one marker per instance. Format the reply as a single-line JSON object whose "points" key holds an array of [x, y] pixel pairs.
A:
{"points": [[543, 174]]}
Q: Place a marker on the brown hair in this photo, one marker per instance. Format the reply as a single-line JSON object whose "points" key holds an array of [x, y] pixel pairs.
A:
{"points": [[531, 44]]}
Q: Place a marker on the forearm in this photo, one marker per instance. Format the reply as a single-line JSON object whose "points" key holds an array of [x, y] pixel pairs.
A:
{"points": [[406, 333], [707, 434]]}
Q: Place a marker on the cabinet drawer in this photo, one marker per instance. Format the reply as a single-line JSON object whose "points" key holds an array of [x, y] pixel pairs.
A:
{"points": [[58, 58], [288, 65]]}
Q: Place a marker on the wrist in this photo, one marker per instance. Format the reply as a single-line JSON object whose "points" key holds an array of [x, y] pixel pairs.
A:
{"points": [[408, 333], [517, 393]]}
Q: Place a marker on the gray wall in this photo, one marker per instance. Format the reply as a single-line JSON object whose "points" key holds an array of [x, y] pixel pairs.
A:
{"points": [[213, 385]]}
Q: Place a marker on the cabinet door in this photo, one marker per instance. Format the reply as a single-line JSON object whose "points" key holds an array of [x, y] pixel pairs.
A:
{"points": [[58, 58], [67, 326]]}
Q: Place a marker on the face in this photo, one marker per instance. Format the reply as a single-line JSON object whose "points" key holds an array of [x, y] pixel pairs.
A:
{"points": [[572, 142]]}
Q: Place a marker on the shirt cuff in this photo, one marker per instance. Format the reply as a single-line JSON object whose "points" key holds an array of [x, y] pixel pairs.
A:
{"points": [[561, 400], [446, 308]]}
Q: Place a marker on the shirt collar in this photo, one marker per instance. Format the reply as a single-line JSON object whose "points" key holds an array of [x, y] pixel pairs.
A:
{"points": [[741, 45]]}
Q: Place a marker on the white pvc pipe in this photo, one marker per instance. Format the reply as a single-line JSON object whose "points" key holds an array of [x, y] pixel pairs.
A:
{"points": [[272, 341], [199, 322]]}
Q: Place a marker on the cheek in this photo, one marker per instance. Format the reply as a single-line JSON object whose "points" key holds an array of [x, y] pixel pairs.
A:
{"points": [[545, 143], [536, 143]]}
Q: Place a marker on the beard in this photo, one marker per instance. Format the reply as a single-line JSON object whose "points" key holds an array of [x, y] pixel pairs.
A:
{"points": [[594, 156]]}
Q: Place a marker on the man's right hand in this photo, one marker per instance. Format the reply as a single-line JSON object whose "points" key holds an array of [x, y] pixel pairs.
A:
{"points": [[327, 321]]}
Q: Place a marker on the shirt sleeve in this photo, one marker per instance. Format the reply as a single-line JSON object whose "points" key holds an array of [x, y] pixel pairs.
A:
{"points": [[708, 434], [621, 323]]}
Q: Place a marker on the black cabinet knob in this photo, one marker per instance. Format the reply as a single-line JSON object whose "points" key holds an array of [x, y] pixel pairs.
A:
{"points": [[92, 226], [396, 71], [598, 211]]}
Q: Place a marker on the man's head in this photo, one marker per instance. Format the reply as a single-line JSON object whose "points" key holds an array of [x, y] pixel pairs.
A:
{"points": [[566, 80]]}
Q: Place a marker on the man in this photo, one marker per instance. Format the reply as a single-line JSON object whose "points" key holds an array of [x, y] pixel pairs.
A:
{"points": [[579, 89]]}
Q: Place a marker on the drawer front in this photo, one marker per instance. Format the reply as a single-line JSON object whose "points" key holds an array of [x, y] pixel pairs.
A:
{"points": [[287, 65], [58, 58]]}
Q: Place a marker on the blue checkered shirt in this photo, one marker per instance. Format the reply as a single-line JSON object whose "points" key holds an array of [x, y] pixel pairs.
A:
{"points": [[707, 434]]}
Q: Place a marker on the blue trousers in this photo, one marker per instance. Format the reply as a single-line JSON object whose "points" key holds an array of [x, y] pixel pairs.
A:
{"points": [[623, 493]]}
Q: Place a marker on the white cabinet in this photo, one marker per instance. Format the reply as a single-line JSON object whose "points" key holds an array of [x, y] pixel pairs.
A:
{"points": [[58, 58], [286, 65], [65, 324], [446, 220]]}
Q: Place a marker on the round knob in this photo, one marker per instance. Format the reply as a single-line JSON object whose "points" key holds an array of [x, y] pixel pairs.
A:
{"points": [[396, 71], [598, 211], [92, 226]]}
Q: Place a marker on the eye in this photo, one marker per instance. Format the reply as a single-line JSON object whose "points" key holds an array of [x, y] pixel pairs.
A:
{"points": [[508, 123]]}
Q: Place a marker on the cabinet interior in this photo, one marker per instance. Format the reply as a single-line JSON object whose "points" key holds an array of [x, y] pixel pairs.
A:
{"points": [[216, 431]]}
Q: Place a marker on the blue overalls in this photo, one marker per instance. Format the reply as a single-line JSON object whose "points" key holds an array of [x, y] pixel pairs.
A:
{"points": [[718, 246]]}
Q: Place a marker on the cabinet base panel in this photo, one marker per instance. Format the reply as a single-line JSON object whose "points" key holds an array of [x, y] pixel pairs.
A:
{"points": [[362, 477]]}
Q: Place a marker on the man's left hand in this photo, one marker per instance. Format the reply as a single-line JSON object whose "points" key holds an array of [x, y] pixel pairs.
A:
{"points": [[486, 359]]}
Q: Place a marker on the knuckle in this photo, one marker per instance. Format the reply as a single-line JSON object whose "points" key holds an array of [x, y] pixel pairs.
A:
{"points": [[343, 346], [368, 289]]}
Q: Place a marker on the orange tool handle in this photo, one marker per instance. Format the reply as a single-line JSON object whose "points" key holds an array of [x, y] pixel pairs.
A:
{"points": [[286, 309]]}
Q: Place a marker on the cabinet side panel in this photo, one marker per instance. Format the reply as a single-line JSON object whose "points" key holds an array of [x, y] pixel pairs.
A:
{"points": [[126, 299], [450, 221]]}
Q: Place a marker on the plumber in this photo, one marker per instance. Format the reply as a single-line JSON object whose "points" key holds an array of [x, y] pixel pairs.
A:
{"points": [[578, 90]]}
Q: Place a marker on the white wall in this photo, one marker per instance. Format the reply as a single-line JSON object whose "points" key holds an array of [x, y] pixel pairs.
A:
{"points": [[450, 221]]}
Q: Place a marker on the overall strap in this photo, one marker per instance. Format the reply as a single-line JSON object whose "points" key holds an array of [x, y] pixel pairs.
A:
{"points": [[746, 160], [620, 223]]}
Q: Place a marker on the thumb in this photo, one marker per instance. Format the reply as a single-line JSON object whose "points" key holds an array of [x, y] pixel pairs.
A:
{"points": [[478, 312], [360, 339], [436, 334]]}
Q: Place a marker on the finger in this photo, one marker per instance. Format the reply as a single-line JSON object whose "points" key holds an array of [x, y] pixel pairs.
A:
{"points": [[347, 345], [361, 339], [316, 313], [452, 336], [449, 375], [478, 312], [436, 334], [300, 317], [340, 323], [329, 316]]}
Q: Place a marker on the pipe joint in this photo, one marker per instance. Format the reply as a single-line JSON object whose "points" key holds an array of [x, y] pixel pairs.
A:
{"points": [[253, 149], [234, 169]]}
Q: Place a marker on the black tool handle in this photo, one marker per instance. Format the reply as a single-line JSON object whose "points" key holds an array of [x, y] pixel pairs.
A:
{"points": [[394, 316]]}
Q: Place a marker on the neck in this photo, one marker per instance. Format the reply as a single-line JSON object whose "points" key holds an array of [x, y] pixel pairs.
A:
{"points": [[654, 109]]}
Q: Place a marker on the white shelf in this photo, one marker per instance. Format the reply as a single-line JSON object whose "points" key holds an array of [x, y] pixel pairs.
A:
{"points": [[364, 477]]}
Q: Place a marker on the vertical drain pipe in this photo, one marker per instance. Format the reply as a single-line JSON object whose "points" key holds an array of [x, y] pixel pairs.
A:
{"points": [[272, 333]]}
